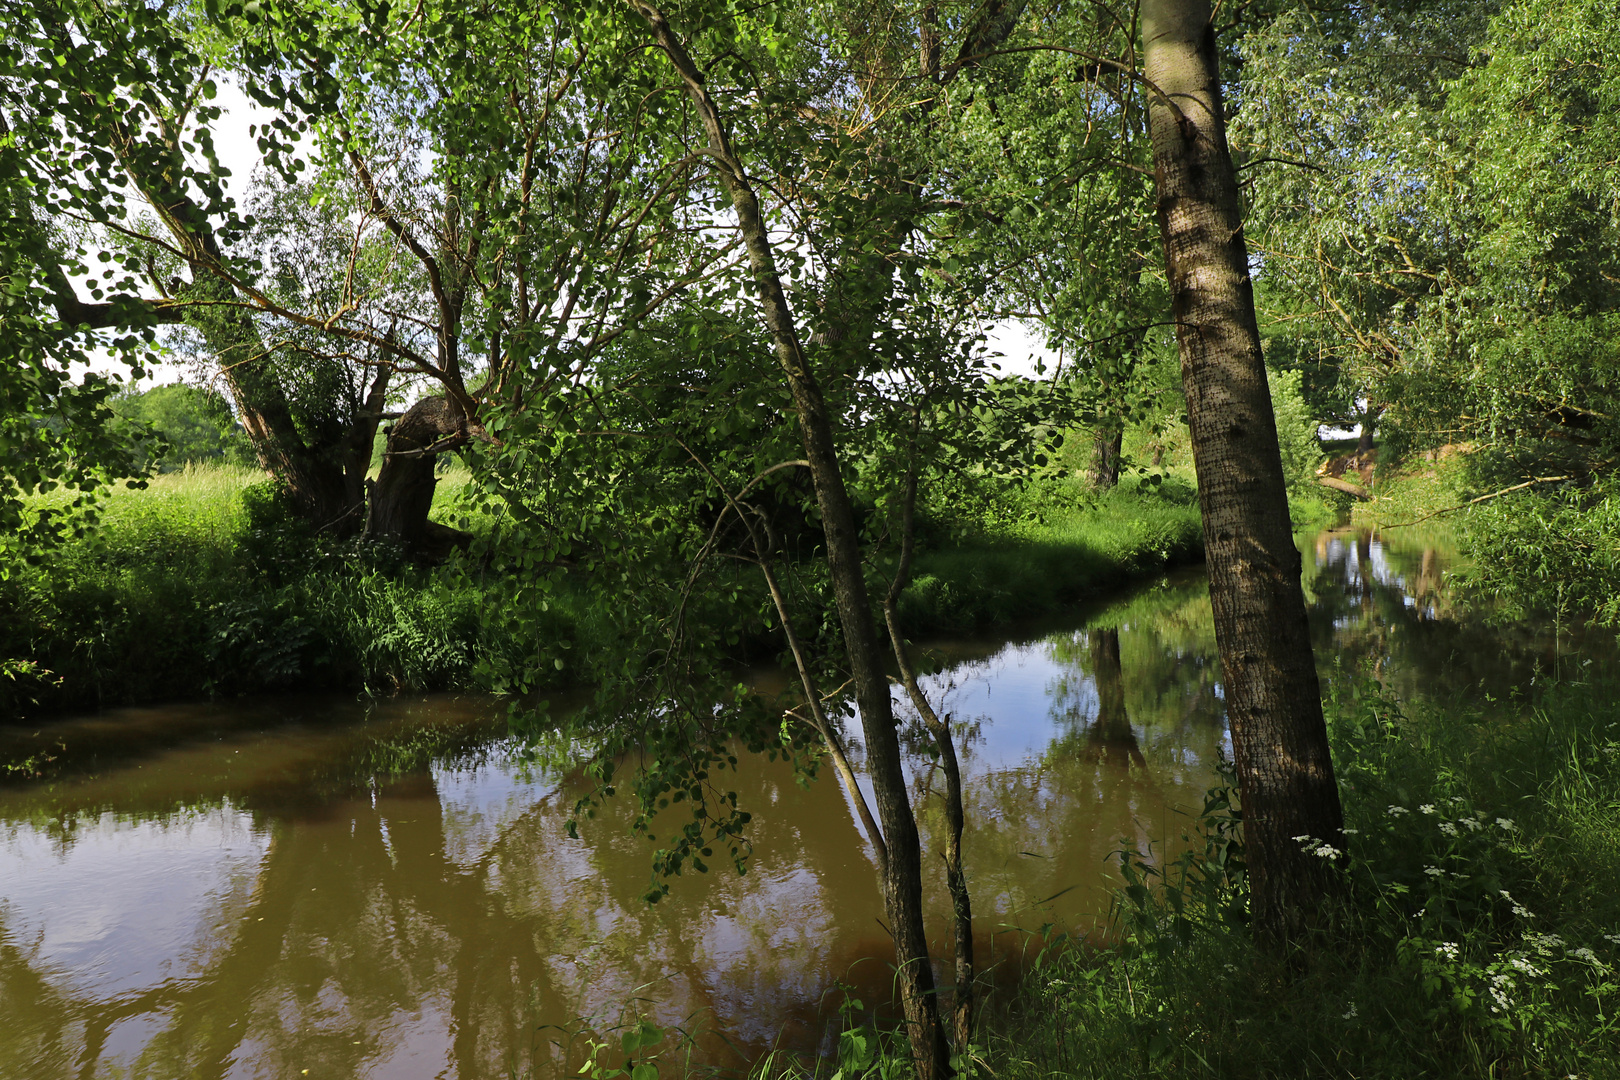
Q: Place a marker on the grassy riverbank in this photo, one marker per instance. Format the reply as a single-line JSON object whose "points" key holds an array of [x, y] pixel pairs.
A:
{"points": [[1482, 940], [199, 587]]}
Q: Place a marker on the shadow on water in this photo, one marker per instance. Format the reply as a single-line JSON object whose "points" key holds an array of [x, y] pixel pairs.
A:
{"points": [[387, 890]]}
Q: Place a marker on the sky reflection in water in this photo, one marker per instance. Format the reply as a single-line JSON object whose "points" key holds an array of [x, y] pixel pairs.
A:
{"points": [[237, 891]]}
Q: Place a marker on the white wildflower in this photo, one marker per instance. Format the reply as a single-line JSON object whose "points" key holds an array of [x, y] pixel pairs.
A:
{"points": [[1470, 823], [1434, 871], [1500, 985], [1350, 1013], [1448, 828], [1518, 909], [1583, 953], [1426, 808], [1397, 811], [1505, 825], [1446, 950]]}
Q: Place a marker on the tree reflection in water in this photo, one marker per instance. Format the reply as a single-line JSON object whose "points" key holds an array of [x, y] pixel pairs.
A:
{"points": [[389, 893]]}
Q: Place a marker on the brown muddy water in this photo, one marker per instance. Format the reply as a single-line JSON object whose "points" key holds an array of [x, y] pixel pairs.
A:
{"points": [[334, 889]]}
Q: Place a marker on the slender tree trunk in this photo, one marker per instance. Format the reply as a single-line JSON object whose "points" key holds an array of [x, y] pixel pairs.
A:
{"points": [[1107, 442], [1117, 357], [902, 878], [1279, 739], [939, 728]]}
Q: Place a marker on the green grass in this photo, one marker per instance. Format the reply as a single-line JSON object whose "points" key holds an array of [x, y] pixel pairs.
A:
{"points": [[193, 588], [1481, 941], [1052, 563], [1407, 491], [200, 586]]}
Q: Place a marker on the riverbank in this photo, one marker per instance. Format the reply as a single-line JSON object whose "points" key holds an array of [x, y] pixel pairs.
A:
{"points": [[1482, 937], [311, 814], [197, 587], [1539, 545]]}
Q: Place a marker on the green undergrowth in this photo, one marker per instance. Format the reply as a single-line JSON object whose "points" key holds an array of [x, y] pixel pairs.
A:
{"points": [[203, 585], [1550, 550], [1048, 564], [1482, 938], [1415, 490], [200, 586]]}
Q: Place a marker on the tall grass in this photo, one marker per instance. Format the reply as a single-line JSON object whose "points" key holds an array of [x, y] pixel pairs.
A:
{"points": [[202, 585], [196, 587], [1481, 939]]}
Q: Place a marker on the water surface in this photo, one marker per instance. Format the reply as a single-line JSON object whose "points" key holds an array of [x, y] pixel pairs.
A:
{"points": [[386, 890]]}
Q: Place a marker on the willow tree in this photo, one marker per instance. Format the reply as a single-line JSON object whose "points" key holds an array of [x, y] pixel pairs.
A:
{"points": [[468, 226], [108, 111], [1292, 819], [1455, 249]]}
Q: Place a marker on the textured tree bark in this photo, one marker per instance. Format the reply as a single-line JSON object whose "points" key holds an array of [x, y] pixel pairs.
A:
{"points": [[1279, 739], [398, 500], [1107, 441]]}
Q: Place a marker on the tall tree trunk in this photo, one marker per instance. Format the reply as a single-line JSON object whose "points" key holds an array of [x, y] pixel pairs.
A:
{"points": [[902, 877], [1279, 739]]}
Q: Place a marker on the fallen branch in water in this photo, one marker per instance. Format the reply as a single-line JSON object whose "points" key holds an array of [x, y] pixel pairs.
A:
{"points": [[1483, 498]]}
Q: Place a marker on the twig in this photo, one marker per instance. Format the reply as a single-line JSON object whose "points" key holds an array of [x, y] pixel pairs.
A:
{"points": [[1483, 498]]}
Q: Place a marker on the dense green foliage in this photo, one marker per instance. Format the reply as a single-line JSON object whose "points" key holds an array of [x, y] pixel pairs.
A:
{"points": [[202, 585], [513, 206], [195, 424], [1439, 215]]}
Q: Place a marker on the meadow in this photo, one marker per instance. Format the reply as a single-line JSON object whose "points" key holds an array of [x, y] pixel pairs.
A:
{"points": [[201, 585]]}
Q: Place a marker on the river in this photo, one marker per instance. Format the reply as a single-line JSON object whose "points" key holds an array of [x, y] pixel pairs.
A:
{"points": [[337, 888]]}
